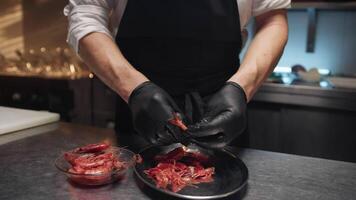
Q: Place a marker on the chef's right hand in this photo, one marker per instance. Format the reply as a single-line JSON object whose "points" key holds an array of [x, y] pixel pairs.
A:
{"points": [[151, 109]]}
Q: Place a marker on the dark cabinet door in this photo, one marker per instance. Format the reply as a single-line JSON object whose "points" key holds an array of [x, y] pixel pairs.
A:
{"points": [[319, 132], [264, 123], [303, 130]]}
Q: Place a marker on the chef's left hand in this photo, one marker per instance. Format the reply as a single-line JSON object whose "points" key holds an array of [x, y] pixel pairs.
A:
{"points": [[224, 119]]}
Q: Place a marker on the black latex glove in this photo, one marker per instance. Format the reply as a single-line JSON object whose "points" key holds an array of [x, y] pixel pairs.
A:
{"points": [[151, 109], [224, 118]]}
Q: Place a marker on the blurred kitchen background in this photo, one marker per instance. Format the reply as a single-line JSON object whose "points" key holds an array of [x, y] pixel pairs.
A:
{"points": [[307, 106]]}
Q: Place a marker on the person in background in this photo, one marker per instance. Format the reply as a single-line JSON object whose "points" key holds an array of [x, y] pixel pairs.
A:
{"points": [[179, 56]]}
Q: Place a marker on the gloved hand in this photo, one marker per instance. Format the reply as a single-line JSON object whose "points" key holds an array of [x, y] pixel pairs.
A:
{"points": [[151, 109], [224, 118]]}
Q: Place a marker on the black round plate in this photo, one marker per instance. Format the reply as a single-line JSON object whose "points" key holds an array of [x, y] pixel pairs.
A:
{"points": [[230, 173]]}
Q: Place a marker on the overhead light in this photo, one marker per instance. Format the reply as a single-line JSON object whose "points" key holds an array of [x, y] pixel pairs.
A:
{"points": [[324, 71], [280, 69], [324, 84]]}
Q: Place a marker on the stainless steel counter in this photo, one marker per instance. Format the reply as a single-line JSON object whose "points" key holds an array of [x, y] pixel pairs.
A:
{"points": [[27, 171]]}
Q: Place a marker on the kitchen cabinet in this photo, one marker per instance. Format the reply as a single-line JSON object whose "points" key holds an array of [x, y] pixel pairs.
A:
{"points": [[103, 104], [303, 128], [85, 101], [33, 93], [94, 103]]}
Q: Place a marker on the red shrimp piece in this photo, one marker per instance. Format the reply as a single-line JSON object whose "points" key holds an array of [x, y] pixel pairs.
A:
{"points": [[138, 158], [118, 165], [91, 160], [177, 121], [76, 170], [176, 154], [103, 169], [70, 157], [92, 148]]}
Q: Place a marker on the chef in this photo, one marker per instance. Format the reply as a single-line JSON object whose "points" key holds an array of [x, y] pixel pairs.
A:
{"points": [[179, 56]]}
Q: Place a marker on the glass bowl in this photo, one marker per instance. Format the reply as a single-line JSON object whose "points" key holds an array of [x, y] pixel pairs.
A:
{"points": [[122, 154]]}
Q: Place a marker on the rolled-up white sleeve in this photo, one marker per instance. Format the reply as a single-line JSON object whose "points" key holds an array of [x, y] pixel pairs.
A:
{"points": [[87, 16], [262, 6]]}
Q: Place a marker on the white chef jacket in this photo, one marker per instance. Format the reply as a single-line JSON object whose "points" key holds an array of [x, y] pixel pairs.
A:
{"points": [[104, 16]]}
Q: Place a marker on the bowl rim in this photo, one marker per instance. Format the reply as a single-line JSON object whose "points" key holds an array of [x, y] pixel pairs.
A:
{"points": [[132, 162]]}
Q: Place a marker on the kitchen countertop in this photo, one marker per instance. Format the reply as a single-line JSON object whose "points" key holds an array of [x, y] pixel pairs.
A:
{"points": [[27, 171], [307, 95]]}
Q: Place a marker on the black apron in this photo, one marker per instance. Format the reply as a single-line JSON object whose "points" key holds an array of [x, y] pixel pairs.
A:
{"points": [[190, 48]]}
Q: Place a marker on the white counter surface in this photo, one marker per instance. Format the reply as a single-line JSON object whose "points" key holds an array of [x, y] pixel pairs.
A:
{"points": [[14, 119]]}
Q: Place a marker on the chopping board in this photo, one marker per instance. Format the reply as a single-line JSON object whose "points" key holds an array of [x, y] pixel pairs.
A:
{"points": [[14, 119]]}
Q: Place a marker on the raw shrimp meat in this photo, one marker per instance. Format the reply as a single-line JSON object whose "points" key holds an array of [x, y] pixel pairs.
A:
{"points": [[93, 159], [180, 168]]}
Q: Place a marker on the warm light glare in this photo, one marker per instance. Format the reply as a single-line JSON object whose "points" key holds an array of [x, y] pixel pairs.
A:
{"points": [[72, 68], [28, 65], [48, 68]]}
